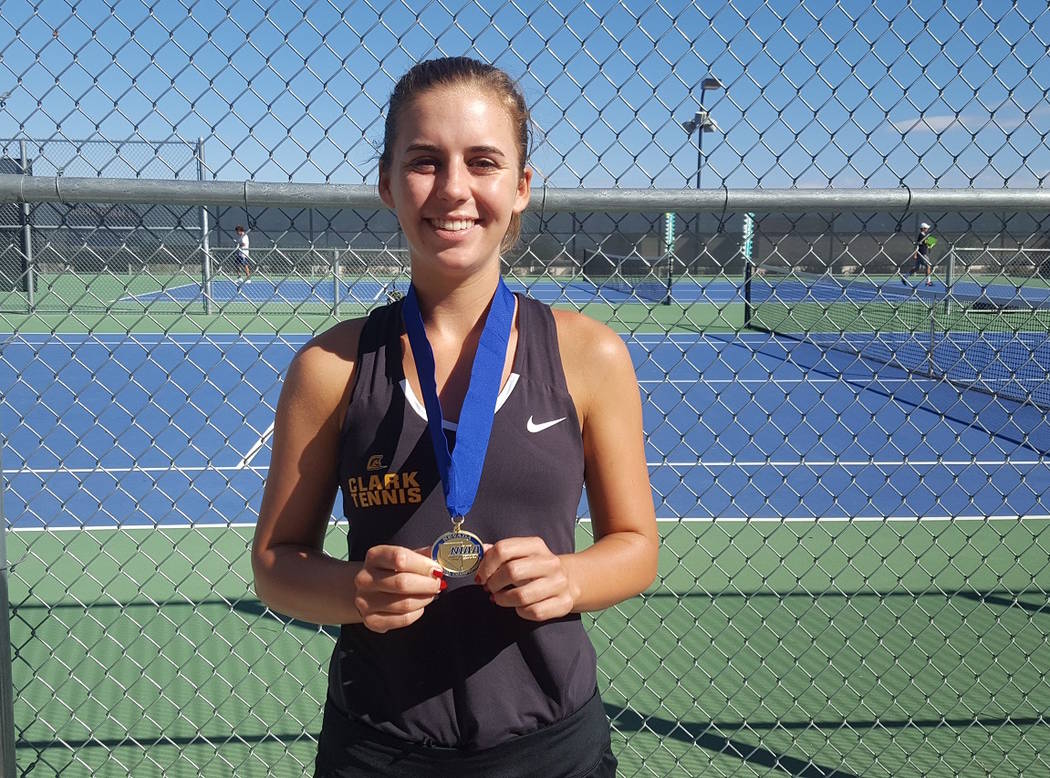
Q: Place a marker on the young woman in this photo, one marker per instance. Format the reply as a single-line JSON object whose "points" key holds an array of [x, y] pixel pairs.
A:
{"points": [[461, 425]]}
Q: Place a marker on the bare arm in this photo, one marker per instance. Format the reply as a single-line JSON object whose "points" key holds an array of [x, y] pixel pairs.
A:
{"points": [[623, 560], [521, 572], [293, 575]]}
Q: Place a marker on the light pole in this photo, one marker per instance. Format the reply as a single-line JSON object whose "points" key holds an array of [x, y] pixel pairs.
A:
{"points": [[702, 122]]}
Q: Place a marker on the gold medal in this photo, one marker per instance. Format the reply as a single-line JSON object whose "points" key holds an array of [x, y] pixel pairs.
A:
{"points": [[458, 552]]}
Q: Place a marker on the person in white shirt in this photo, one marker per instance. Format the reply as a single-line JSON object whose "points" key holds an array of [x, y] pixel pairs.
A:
{"points": [[242, 254]]}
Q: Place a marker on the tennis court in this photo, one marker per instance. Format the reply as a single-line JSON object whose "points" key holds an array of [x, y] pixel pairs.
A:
{"points": [[847, 579]]}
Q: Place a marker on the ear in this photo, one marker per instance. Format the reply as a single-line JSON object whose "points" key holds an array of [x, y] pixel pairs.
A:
{"points": [[524, 194], [384, 187]]}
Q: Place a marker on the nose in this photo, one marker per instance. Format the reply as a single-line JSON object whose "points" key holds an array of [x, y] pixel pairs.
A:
{"points": [[453, 182]]}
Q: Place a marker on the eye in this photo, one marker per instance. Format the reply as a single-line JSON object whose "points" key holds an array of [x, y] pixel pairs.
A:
{"points": [[423, 164], [484, 163]]}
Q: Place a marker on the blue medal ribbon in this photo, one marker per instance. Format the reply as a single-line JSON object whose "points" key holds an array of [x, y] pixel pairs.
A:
{"points": [[460, 469]]}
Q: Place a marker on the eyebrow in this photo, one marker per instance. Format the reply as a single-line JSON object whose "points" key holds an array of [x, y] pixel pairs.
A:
{"points": [[437, 150]]}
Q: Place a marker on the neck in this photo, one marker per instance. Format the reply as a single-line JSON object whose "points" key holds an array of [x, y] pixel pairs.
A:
{"points": [[454, 309]]}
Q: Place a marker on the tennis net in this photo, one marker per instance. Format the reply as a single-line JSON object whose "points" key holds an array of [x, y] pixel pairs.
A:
{"points": [[995, 339], [631, 275]]}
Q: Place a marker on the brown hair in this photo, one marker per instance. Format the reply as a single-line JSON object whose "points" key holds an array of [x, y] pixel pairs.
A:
{"points": [[451, 71]]}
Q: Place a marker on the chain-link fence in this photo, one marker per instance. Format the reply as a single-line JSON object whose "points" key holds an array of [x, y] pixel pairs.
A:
{"points": [[850, 455]]}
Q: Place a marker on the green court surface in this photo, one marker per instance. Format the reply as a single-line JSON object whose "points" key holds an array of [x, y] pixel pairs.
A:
{"points": [[173, 302], [869, 648], [636, 317]]}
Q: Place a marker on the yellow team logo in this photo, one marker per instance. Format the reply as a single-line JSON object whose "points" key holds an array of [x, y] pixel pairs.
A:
{"points": [[389, 489]]}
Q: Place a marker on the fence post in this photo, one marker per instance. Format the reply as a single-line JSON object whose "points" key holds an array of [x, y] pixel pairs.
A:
{"points": [[7, 697]]}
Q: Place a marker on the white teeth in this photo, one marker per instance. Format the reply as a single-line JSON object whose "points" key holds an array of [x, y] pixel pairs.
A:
{"points": [[452, 225]]}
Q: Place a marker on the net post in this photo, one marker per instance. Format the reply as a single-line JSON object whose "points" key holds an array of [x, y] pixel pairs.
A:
{"points": [[669, 254], [335, 282], [205, 240], [747, 249], [949, 279], [931, 369], [748, 270], [7, 697], [29, 266], [670, 279]]}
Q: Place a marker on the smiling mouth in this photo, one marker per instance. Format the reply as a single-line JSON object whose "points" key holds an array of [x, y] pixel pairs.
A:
{"points": [[453, 225]]}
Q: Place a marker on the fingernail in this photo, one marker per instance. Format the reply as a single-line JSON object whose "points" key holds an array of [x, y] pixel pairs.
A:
{"points": [[438, 573], [444, 584]]}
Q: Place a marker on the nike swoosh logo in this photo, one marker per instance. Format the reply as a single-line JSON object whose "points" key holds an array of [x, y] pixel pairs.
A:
{"points": [[532, 426]]}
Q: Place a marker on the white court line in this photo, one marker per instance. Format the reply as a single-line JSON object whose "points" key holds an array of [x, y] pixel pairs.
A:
{"points": [[856, 463], [851, 519], [160, 294], [587, 520], [771, 380], [725, 338], [248, 457], [642, 338], [245, 464], [159, 469], [154, 338]]}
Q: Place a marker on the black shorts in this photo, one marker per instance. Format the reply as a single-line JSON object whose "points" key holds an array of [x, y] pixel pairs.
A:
{"points": [[576, 747]]}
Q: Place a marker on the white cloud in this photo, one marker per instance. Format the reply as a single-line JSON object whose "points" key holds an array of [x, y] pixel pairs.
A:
{"points": [[1007, 119], [936, 124]]}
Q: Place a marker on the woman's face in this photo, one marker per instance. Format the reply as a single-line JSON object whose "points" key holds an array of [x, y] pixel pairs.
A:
{"points": [[454, 178]]}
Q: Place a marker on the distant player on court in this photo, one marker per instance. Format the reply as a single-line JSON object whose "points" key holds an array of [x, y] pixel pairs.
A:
{"points": [[921, 255], [243, 260]]}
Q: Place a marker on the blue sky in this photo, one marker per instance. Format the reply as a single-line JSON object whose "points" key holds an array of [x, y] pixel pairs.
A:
{"points": [[818, 94]]}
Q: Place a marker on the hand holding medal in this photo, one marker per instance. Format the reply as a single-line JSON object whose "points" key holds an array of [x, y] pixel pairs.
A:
{"points": [[459, 552], [394, 585]]}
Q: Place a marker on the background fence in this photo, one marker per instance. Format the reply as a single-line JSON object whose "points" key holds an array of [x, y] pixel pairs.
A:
{"points": [[851, 467]]}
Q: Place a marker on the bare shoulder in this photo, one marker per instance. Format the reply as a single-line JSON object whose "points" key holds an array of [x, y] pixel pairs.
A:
{"points": [[587, 343], [335, 346], [594, 357], [321, 371]]}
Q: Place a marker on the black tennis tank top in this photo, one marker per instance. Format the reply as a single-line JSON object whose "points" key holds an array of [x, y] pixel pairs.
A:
{"points": [[468, 673]]}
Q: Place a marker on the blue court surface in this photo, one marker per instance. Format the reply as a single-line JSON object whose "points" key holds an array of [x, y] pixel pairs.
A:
{"points": [[791, 288], [265, 289], [683, 290], [148, 430]]}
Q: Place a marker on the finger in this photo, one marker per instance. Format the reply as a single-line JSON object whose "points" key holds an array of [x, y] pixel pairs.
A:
{"points": [[400, 584], [400, 559], [516, 572], [520, 571], [382, 603], [500, 554], [545, 610], [526, 594], [385, 622]]}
